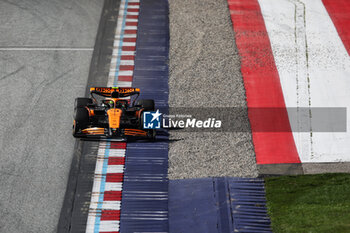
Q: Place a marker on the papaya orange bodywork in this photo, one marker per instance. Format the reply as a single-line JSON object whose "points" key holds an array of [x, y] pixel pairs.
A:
{"points": [[109, 116], [91, 112], [109, 90], [114, 115], [135, 132], [93, 131]]}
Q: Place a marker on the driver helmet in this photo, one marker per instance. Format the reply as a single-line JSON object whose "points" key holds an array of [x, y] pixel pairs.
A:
{"points": [[111, 103]]}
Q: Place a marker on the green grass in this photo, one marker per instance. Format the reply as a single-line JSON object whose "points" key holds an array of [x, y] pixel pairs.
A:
{"points": [[309, 203]]}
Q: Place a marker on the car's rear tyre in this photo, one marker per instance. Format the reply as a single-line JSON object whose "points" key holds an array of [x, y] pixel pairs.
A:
{"points": [[82, 102], [147, 105], [141, 120]]}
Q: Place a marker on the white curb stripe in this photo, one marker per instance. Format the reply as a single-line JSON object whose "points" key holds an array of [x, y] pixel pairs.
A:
{"points": [[95, 224], [314, 69]]}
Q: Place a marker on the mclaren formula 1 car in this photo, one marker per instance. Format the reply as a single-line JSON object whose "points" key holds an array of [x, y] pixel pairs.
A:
{"points": [[109, 114]]}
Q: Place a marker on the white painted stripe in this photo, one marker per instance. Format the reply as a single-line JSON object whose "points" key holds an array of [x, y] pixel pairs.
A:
{"points": [[133, 0], [115, 53], [131, 20], [95, 191], [101, 151], [111, 205], [133, 6], [314, 70], [127, 62], [133, 13], [128, 44], [103, 144], [122, 8], [128, 53], [115, 169], [124, 84], [93, 202], [124, 44], [109, 226], [110, 169], [117, 153], [93, 221], [113, 186], [116, 43], [126, 73], [130, 27], [114, 61], [105, 226], [126, 36], [90, 226]]}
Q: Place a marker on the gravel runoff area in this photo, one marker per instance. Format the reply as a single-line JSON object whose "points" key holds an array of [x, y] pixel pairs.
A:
{"points": [[205, 72], [38, 84]]}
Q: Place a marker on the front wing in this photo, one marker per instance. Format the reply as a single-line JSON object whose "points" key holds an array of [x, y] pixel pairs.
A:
{"points": [[97, 132]]}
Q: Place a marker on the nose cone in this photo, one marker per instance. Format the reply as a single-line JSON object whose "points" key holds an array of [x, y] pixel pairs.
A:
{"points": [[114, 117]]}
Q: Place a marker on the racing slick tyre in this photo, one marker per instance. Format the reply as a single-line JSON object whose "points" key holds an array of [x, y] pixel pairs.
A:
{"points": [[147, 105], [81, 119], [151, 134], [82, 102]]}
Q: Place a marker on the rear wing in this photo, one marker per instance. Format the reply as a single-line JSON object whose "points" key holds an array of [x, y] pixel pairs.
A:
{"points": [[115, 92]]}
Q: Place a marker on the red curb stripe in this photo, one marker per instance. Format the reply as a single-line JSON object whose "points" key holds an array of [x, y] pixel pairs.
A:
{"points": [[129, 40], [112, 195], [116, 160], [125, 67], [128, 48], [110, 215], [114, 177], [131, 24], [130, 31], [262, 84], [133, 3], [127, 57], [339, 11], [132, 16], [118, 145], [133, 10], [125, 78]]}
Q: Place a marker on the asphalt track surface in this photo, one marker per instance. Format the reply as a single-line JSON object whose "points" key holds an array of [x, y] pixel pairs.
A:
{"points": [[45, 54], [205, 72]]}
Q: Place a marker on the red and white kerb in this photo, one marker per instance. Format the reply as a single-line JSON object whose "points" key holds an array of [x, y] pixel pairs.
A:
{"points": [[104, 211], [295, 53], [122, 63]]}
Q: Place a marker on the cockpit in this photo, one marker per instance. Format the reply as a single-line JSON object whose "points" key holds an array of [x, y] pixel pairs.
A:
{"points": [[115, 103]]}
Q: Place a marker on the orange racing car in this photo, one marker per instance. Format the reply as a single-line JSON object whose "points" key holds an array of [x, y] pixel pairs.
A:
{"points": [[109, 114]]}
